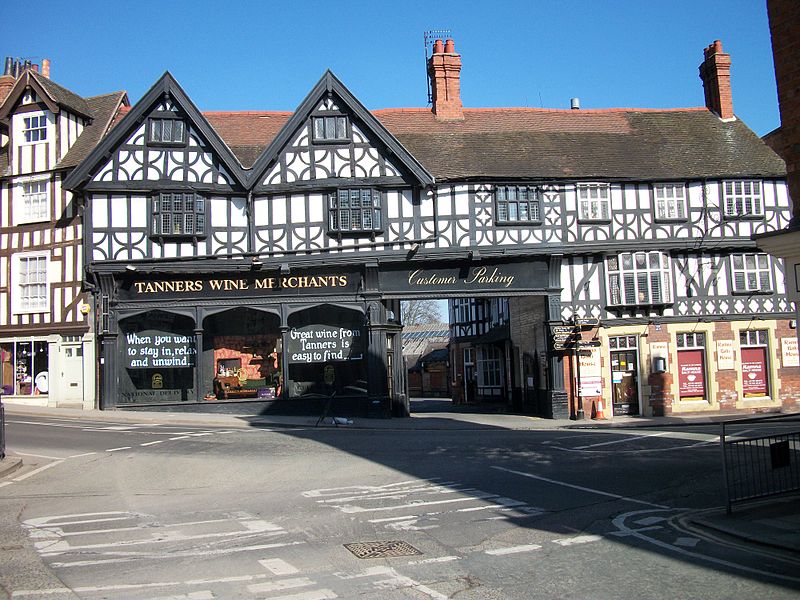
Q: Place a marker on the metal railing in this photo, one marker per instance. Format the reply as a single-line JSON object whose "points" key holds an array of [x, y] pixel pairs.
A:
{"points": [[760, 465]]}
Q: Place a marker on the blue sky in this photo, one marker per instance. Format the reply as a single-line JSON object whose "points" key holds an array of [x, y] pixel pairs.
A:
{"points": [[238, 55]]}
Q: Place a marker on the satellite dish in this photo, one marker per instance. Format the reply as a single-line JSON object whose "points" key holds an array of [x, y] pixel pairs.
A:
{"points": [[41, 382]]}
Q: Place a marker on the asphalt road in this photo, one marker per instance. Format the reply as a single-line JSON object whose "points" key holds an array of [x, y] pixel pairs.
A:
{"points": [[156, 511]]}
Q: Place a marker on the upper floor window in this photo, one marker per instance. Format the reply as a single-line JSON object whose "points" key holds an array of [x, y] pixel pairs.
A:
{"points": [[742, 199], [517, 204], [179, 214], [35, 129], [670, 201], [354, 211], [751, 273], [594, 203], [31, 290], [34, 202], [330, 129], [167, 131], [639, 278]]}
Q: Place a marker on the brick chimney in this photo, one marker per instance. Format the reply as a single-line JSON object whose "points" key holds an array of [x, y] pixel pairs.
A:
{"points": [[444, 71], [716, 75]]}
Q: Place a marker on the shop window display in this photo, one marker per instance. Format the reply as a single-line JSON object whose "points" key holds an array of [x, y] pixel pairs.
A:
{"points": [[24, 368]]}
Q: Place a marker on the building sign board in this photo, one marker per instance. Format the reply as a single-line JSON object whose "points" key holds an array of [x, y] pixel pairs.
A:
{"points": [[754, 372], [246, 284], [789, 353], [726, 355], [319, 343], [469, 278], [159, 350], [691, 375], [590, 383]]}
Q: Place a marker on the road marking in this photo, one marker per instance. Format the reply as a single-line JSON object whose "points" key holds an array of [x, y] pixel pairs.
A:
{"points": [[619, 523], [633, 437], [80, 455], [203, 595], [315, 595], [395, 581], [513, 550], [281, 584], [131, 556], [278, 566], [180, 437], [153, 443], [579, 487], [39, 470], [116, 449], [39, 456], [581, 539], [441, 559]]}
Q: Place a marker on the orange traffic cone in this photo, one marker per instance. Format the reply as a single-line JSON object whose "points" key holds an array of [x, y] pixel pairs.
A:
{"points": [[600, 414]]}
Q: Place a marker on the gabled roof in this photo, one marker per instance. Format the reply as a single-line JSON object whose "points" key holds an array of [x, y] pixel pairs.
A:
{"points": [[247, 133], [166, 85], [104, 109], [53, 95], [329, 84]]}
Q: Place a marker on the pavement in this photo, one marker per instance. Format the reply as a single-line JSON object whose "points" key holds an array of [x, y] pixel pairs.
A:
{"points": [[771, 523]]}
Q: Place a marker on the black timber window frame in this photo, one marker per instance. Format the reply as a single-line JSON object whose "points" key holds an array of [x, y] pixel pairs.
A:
{"points": [[639, 279], [517, 205], [355, 212], [166, 128], [331, 128], [178, 215]]}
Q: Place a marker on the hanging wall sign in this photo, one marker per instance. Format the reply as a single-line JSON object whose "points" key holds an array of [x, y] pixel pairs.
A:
{"points": [[754, 372], [324, 343], [789, 354]]}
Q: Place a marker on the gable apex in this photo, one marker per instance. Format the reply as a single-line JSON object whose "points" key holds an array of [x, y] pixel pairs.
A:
{"points": [[165, 87], [327, 86]]}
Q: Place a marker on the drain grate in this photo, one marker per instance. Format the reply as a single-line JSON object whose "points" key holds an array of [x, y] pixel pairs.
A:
{"points": [[382, 549]]}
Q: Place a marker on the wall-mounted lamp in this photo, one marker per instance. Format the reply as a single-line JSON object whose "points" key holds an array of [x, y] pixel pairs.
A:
{"points": [[130, 268], [256, 264], [474, 254], [412, 250], [284, 268]]}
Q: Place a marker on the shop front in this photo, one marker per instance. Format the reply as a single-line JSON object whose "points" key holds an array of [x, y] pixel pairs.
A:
{"points": [[292, 343]]}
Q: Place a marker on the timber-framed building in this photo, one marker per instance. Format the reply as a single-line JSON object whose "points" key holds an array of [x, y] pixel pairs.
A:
{"points": [[47, 344], [260, 257]]}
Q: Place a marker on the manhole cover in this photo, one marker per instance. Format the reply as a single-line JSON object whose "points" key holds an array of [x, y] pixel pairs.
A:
{"points": [[382, 549]]}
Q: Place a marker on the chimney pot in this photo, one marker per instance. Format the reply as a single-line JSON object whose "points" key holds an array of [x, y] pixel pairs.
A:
{"points": [[9, 66], [575, 103], [444, 71], [46, 67]]}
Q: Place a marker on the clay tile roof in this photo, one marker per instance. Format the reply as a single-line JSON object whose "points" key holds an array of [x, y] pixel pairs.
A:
{"points": [[62, 96], [103, 110], [608, 144], [247, 134]]}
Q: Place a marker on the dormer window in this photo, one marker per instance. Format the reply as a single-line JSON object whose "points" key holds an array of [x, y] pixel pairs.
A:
{"points": [[35, 128], [167, 131], [331, 129]]}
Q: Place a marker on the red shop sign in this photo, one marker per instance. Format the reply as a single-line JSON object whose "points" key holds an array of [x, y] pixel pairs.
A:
{"points": [[754, 371], [691, 375]]}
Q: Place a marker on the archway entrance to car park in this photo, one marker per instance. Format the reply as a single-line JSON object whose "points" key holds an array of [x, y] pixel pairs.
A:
{"points": [[499, 354]]}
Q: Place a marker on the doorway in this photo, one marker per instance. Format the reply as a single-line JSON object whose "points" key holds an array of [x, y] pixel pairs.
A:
{"points": [[625, 375]]}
